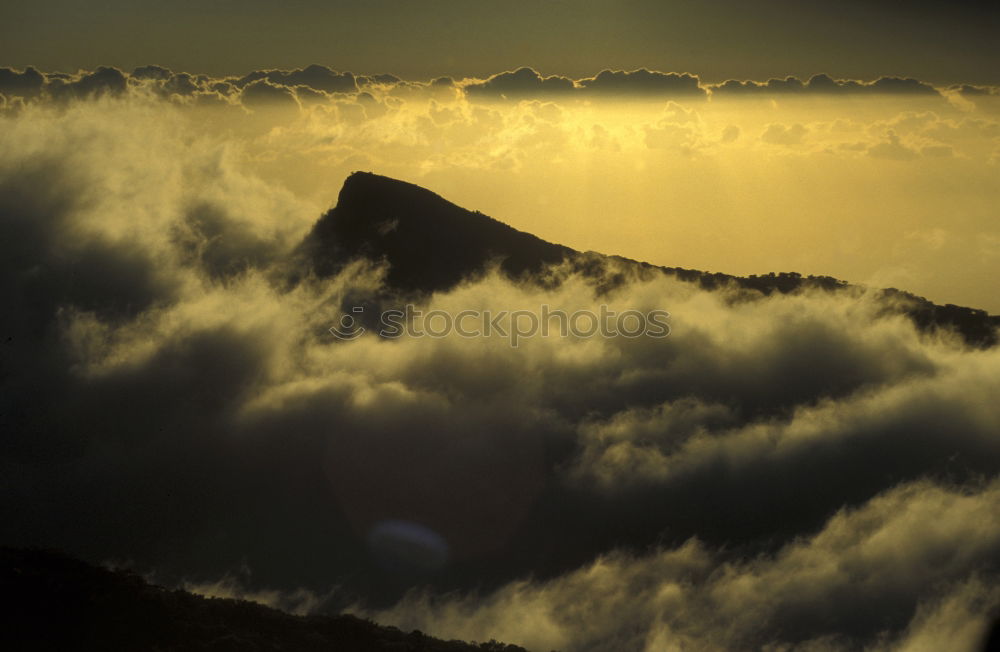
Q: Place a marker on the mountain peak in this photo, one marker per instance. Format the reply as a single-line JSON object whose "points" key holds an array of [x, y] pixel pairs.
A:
{"points": [[430, 243], [366, 187]]}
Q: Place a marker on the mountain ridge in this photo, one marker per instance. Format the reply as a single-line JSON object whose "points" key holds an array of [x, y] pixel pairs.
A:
{"points": [[432, 244], [57, 602]]}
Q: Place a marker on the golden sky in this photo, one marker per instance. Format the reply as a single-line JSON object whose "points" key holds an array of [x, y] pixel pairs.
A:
{"points": [[879, 189]]}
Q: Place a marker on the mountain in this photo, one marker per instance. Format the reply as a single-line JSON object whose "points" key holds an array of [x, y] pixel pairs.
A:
{"points": [[431, 244], [55, 602]]}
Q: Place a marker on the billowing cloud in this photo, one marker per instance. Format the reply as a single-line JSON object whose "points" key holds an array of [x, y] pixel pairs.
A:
{"points": [[787, 85], [642, 82], [526, 82], [824, 84], [830, 591], [314, 76], [520, 83], [103, 81], [969, 89], [26, 83], [262, 93], [151, 72]]}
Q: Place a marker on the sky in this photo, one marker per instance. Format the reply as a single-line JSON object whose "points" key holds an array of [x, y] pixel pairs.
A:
{"points": [[883, 181], [937, 41], [804, 470]]}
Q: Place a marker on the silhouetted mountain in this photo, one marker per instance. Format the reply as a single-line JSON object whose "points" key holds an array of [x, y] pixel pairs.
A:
{"points": [[432, 244], [55, 602]]}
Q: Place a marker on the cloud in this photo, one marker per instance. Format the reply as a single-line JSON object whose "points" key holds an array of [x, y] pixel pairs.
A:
{"points": [[853, 581], [519, 83], [730, 134], [523, 83], [26, 83], [971, 90], [824, 84], [321, 78], [263, 94], [314, 76], [231, 587], [642, 82], [733, 86], [527, 82], [678, 128], [383, 79], [779, 134], [905, 86], [151, 72], [883, 85], [667, 135], [103, 81], [182, 84], [892, 148]]}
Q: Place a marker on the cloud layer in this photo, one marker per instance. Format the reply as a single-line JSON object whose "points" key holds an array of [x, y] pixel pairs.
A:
{"points": [[522, 83], [830, 591]]}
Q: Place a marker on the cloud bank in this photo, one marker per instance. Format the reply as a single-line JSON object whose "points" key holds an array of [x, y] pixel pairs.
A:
{"points": [[522, 83], [830, 591]]}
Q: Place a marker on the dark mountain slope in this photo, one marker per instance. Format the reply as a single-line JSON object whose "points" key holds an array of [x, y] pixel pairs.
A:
{"points": [[432, 244], [54, 602]]}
